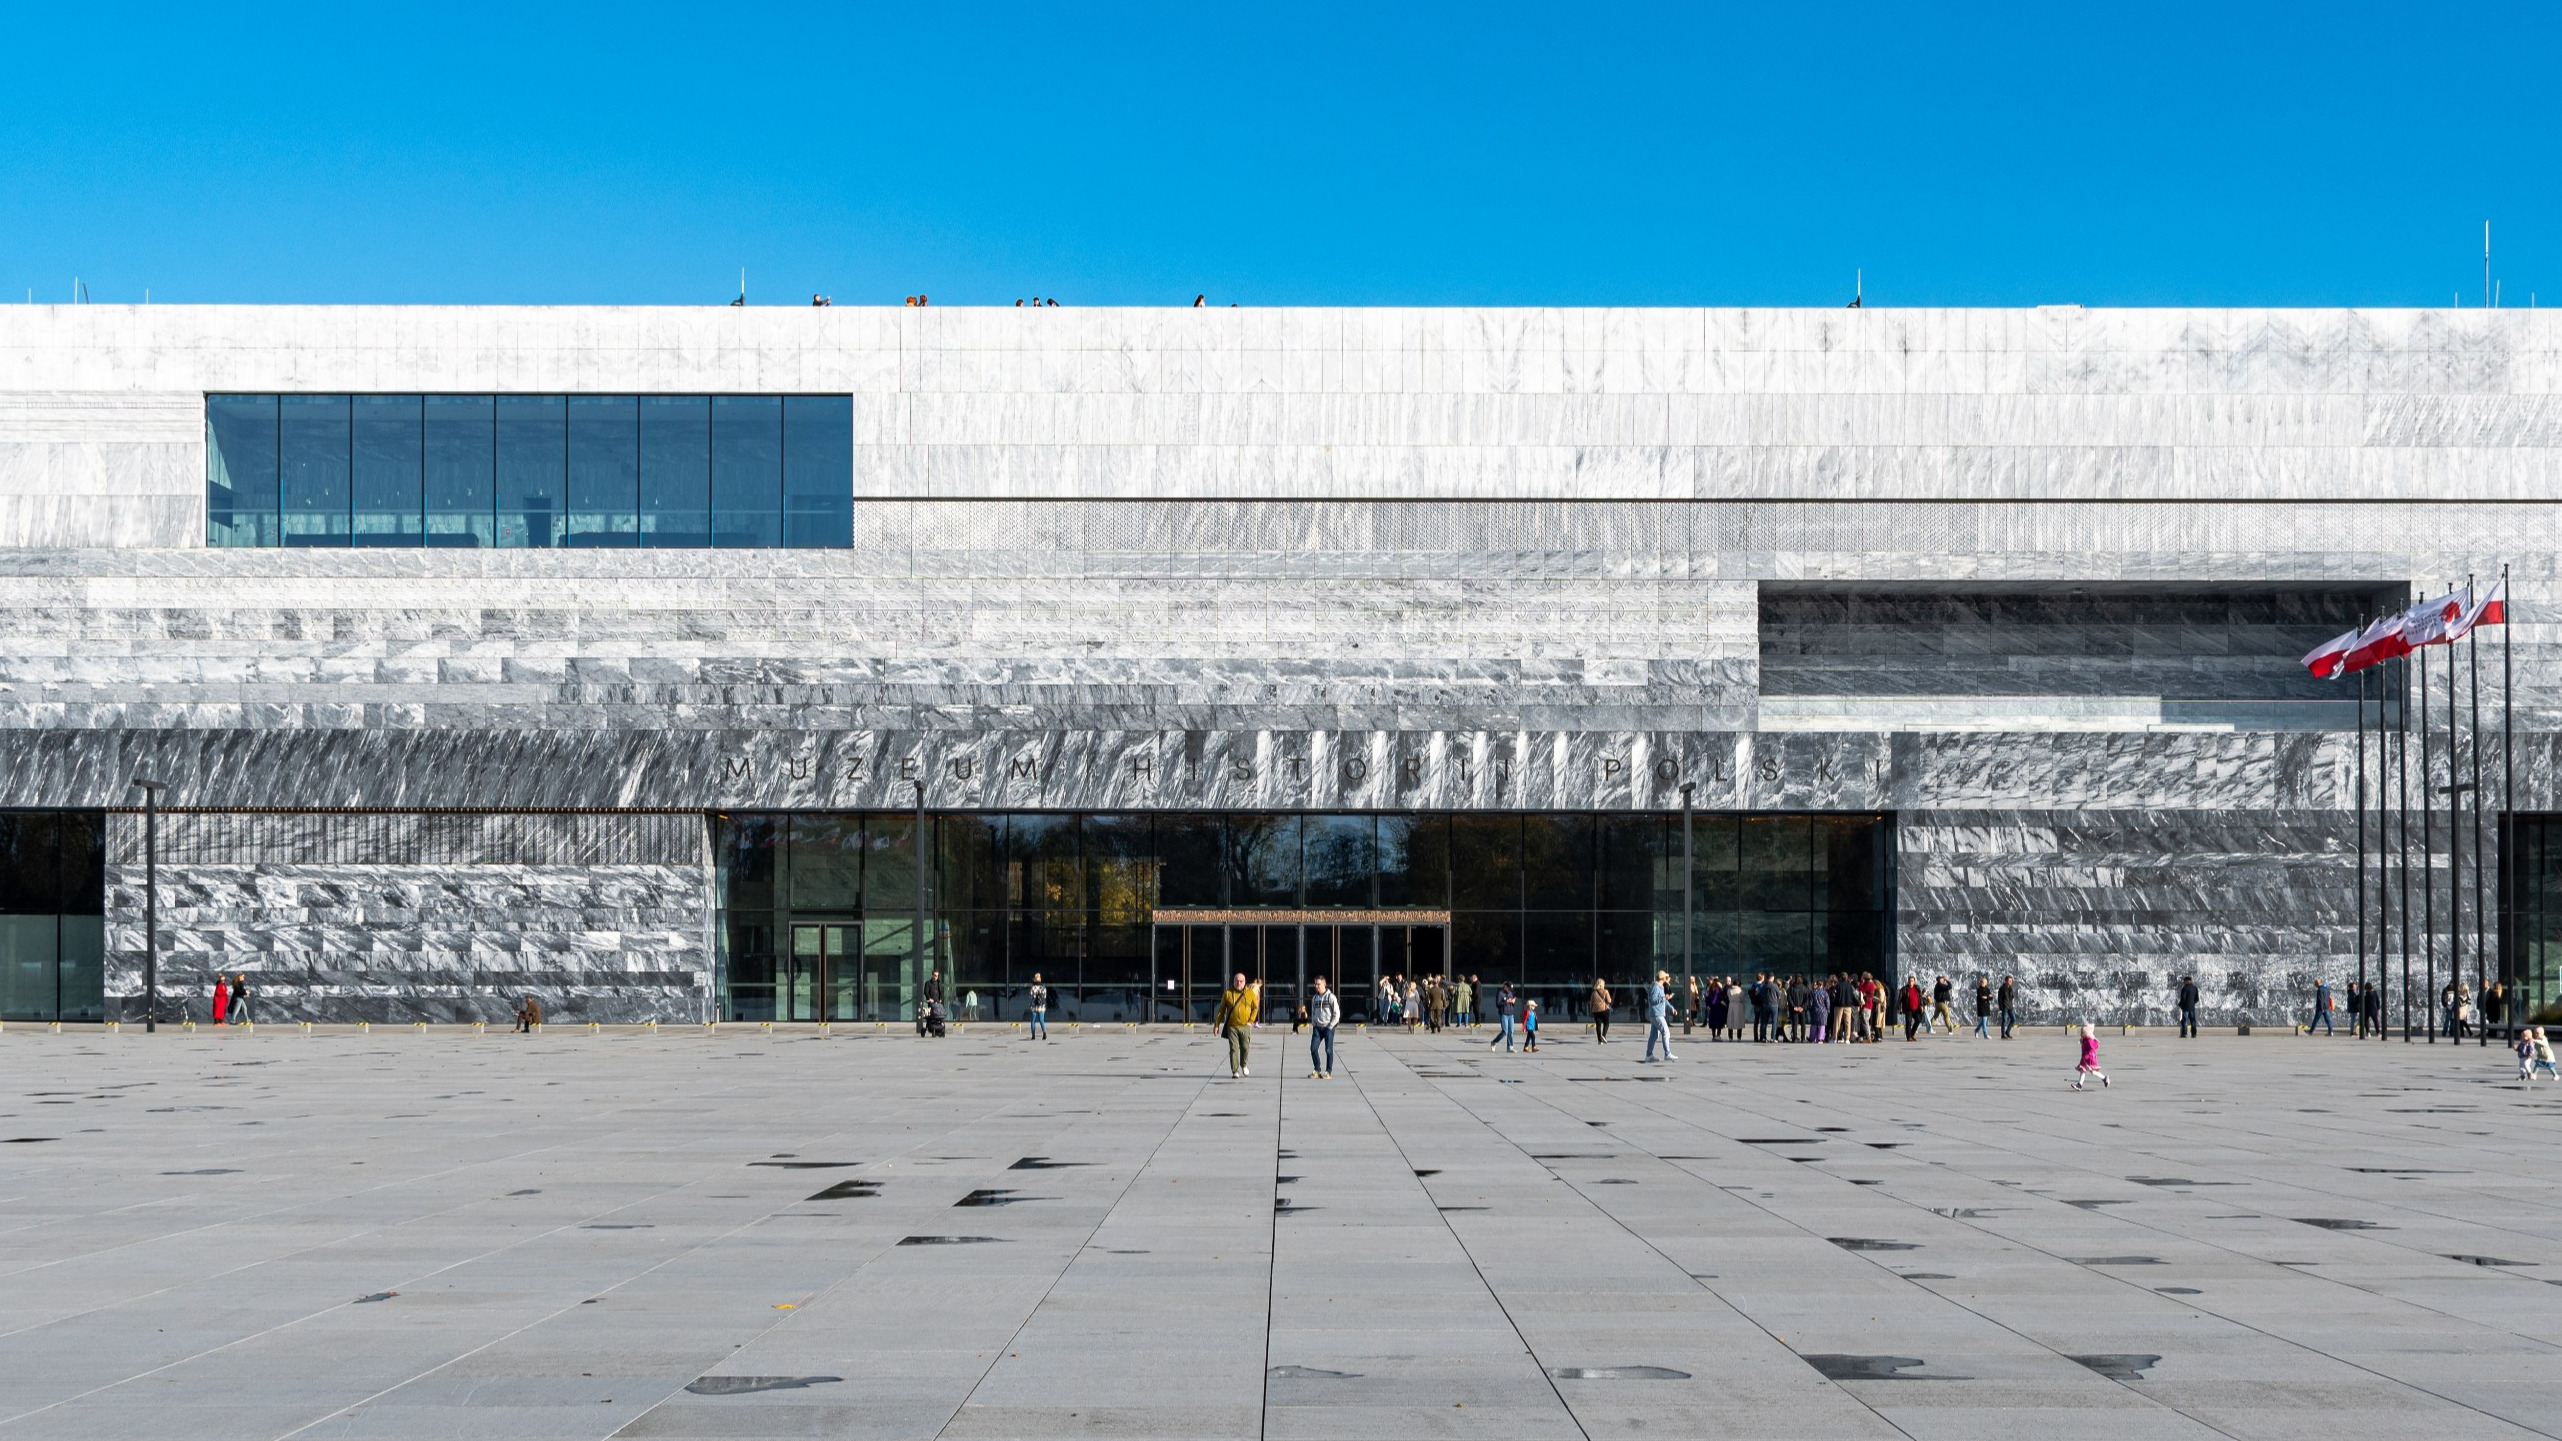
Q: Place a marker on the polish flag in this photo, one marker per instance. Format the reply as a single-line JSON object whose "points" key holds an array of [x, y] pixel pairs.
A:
{"points": [[2377, 644], [2429, 622], [2327, 658], [2491, 609]]}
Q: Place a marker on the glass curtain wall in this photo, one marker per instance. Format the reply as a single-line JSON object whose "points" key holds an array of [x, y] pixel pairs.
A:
{"points": [[2531, 916], [530, 471], [53, 891], [1544, 902]]}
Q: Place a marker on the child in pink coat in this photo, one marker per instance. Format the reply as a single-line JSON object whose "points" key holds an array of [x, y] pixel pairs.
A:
{"points": [[2090, 1061]]}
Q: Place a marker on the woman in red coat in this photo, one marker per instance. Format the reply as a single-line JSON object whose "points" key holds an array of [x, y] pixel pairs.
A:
{"points": [[1914, 1000], [222, 999]]}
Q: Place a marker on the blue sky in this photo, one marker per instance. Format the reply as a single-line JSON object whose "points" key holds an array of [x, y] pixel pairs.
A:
{"points": [[1584, 154]]}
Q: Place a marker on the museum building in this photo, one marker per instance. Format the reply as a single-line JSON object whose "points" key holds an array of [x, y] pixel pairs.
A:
{"points": [[759, 663]]}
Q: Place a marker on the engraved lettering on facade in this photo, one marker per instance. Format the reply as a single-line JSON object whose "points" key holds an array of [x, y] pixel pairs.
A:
{"points": [[1610, 768], [1667, 768], [962, 766], [1241, 770], [907, 768], [1355, 771], [1766, 769], [1411, 771], [1298, 767], [1142, 766], [737, 768], [1020, 768]]}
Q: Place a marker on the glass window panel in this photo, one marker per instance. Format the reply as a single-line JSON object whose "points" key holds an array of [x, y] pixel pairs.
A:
{"points": [[747, 471], [818, 471], [1629, 855], [604, 470], [1486, 946], [1772, 941], [1777, 862], [1342, 860], [749, 967], [1485, 862], [1556, 861], [966, 857], [80, 840], [84, 968], [1559, 948], [30, 971], [676, 471], [1188, 850], [1852, 942], [389, 484], [311, 481], [461, 461], [240, 470], [1120, 861], [1045, 876], [748, 847], [30, 864], [826, 861], [1845, 875], [889, 862], [1716, 861], [532, 469], [1414, 860], [1263, 860], [1631, 947]]}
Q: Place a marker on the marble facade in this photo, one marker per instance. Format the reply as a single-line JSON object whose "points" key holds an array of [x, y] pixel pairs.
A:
{"points": [[1456, 559]]}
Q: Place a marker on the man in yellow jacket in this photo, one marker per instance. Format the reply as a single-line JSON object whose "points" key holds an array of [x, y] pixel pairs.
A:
{"points": [[1238, 1007]]}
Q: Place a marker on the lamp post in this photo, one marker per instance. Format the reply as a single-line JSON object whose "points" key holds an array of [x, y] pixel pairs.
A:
{"points": [[1689, 983], [919, 963], [150, 903]]}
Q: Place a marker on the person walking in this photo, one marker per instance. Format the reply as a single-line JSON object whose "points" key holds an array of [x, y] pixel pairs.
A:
{"points": [[221, 999], [2495, 1005], [2321, 1009], [1913, 1020], [1690, 1012], [1040, 998], [1600, 1011], [1530, 1026], [1239, 1006], [1983, 1008], [2186, 998], [1503, 1016], [1414, 1005], [1324, 1013], [1659, 1015], [1942, 1018], [2006, 1000], [240, 999], [2089, 1066], [2543, 1056]]}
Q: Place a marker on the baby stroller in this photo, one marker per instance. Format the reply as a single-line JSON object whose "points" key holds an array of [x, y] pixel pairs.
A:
{"points": [[931, 1021]]}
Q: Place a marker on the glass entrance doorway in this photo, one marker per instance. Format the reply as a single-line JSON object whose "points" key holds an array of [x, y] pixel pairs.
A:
{"points": [[1198, 949], [819, 971]]}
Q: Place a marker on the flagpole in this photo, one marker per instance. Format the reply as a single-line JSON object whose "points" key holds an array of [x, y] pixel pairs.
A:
{"points": [[2361, 848], [2481, 967], [2402, 776], [2428, 855], [2454, 843], [2508, 784]]}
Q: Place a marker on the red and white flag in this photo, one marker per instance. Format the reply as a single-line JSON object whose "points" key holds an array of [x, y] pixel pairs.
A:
{"points": [[2429, 622], [2491, 609], [2326, 659], [2377, 644]]}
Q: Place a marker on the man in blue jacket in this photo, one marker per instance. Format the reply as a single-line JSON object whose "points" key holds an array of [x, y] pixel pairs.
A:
{"points": [[1659, 1015]]}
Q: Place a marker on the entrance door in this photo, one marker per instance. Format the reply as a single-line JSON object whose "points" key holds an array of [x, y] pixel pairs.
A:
{"points": [[818, 975]]}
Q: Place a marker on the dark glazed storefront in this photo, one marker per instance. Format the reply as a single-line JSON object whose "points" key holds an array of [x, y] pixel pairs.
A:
{"points": [[818, 911]]}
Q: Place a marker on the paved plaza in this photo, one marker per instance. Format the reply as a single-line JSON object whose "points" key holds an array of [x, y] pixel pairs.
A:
{"points": [[676, 1234]]}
